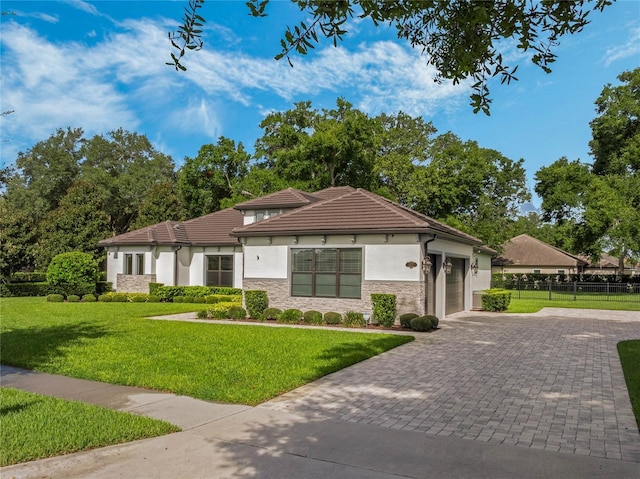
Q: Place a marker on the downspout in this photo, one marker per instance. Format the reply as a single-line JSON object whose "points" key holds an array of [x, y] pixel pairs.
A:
{"points": [[175, 266], [427, 273]]}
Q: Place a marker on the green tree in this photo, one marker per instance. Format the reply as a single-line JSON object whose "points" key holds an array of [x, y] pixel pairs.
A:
{"points": [[215, 174], [462, 39], [77, 224], [124, 166], [161, 203], [17, 239]]}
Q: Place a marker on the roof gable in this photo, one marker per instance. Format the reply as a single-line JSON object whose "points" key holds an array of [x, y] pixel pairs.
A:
{"points": [[526, 250], [289, 198]]}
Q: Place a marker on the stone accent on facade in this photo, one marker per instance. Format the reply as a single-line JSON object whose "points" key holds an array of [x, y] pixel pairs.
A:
{"points": [[139, 283], [409, 294]]}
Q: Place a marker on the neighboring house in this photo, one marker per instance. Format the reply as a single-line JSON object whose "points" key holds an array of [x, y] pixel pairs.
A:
{"points": [[327, 251], [608, 265], [525, 254]]}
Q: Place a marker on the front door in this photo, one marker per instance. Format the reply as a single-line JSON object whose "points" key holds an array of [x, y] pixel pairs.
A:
{"points": [[455, 287]]}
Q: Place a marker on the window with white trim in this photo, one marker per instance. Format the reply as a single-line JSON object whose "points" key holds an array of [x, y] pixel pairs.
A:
{"points": [[326, 272]]}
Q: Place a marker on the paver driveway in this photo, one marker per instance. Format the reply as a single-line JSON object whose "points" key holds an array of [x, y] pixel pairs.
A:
{"points": [[551, 381]]}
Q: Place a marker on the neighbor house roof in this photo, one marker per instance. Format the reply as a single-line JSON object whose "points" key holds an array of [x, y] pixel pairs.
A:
{"points": [[355, 212], [606, 261], [289, 198], [524, 250], [209, 230]]}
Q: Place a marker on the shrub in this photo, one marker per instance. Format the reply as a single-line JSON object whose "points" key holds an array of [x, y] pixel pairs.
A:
{"points": [[256, 302], [73, 298], [104, 287], [138, 297], [119, 297], [224, 290], [89, 298], [405, 319], [219, 298], [4, 291], [55, 298], [218, 311], [105, 298], [203, 314], [384, 308], [167, 293], [434, 322], [354, 319], [237, 312], [29, 289], [312, 317], [35, 277], [422, 323], [332, 317], [153, 299], [199, 299], [71, 270], [272, 313], [153, 288], [496, 300], [290, 316]]}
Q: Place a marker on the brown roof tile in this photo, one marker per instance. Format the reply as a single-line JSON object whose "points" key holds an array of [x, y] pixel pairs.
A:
{"points": [[289, 198], [333, 192], [359, 211], [528, 251]]}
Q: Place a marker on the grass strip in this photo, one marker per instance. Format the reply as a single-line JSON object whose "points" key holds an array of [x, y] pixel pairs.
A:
{"points": [[219, 362], [535, 305], [629, 352], [36, 426]]}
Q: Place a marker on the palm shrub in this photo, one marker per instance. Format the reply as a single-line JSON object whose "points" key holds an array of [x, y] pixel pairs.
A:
{"points": [[332, 317], [256, 302], [354, 319], [312, 317], [290, 316], [74, 272], [384, 308], [405, 319]]}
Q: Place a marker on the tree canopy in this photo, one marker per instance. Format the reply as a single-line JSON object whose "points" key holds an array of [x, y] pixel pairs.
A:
{"points": [[462, 39]]}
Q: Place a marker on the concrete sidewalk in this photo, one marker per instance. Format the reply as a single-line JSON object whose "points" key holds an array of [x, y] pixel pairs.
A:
{"points": [[223, 441]]}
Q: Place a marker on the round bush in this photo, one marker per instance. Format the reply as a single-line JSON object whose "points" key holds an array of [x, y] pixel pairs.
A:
{"points": [[73, 298], [237, 312], [88, 298], [71, 270], [312, 317], [422, 323], [405, 319], [55, 298], [105, 298], [153, 299], [332, 317], [272, 314], [290, 316], [119, 298], [199, 299], [139, 298], [434, 322]]}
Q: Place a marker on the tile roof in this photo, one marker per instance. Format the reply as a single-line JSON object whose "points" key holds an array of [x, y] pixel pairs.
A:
{"points": [[212, 229], [525, 250], [289, 198], [355, 212], [333, 192]]}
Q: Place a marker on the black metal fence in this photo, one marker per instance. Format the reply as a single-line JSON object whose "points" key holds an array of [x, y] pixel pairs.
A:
{"points": [[575, 291]]}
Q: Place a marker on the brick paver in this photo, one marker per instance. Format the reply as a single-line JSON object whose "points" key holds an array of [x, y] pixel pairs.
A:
{"points": [[547, 381]]}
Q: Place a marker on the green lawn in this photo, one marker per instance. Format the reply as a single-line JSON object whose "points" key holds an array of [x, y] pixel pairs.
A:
{"points": [[630, 358], [36, 426], [535, 305], [113, 343]]}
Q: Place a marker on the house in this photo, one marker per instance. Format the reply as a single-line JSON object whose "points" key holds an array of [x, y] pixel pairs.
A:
{"points": [[327, 251], [524, 254]]}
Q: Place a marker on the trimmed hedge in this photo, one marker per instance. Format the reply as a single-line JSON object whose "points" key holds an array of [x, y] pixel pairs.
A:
{"points": [[332, 317], [44, 289], [405, 319], [55, 298], [384, 308], [312, 317], [167, 293], [424, 323], [35, 277], [272, 314], [237, 313], [256, 302], [89, 298], [496, 300], [73, 271], [73, 298], [153, 288]]}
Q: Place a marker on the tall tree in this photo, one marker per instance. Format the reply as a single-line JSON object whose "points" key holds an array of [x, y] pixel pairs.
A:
{"points": [[215, 174], [161, 203], [462, 39]]}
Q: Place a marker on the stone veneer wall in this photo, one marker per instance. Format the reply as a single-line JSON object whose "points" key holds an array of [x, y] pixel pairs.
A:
{"points": [[409, 295], [139, 283]]}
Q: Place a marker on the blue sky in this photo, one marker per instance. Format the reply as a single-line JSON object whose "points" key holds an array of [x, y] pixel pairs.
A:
{"points": [[101, 66]]}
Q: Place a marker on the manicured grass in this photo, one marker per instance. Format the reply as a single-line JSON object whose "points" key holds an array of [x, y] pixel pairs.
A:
{"points": [[36, 426], [629, 352], [111, 342], [535, 305]]}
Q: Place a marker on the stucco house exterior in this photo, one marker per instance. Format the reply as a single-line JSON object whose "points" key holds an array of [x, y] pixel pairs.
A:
{"points": [[327, 251]]}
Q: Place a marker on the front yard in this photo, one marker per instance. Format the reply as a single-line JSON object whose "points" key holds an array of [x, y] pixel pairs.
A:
{"points": [[113, 343], [530, 305]]}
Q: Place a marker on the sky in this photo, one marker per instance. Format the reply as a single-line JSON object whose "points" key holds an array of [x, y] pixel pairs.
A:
{"points": [[101, 66]]}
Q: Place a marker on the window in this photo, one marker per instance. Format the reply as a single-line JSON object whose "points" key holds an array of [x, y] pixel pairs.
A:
{"points": [[259, 215], [560, 271], [220, 270], [536, 271], [128, 264], [140, 263], [326, 272]]}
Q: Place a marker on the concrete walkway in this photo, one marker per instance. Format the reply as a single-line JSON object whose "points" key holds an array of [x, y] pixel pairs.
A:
{"points": [[540, 395]]}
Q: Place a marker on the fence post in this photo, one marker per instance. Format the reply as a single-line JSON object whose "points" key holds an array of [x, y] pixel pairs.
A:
{"points": [[549, 283], [575, 290], [607, 291]]}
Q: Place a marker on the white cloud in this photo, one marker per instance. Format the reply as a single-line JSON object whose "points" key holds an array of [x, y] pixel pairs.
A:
{"points": [[628, 49]]}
